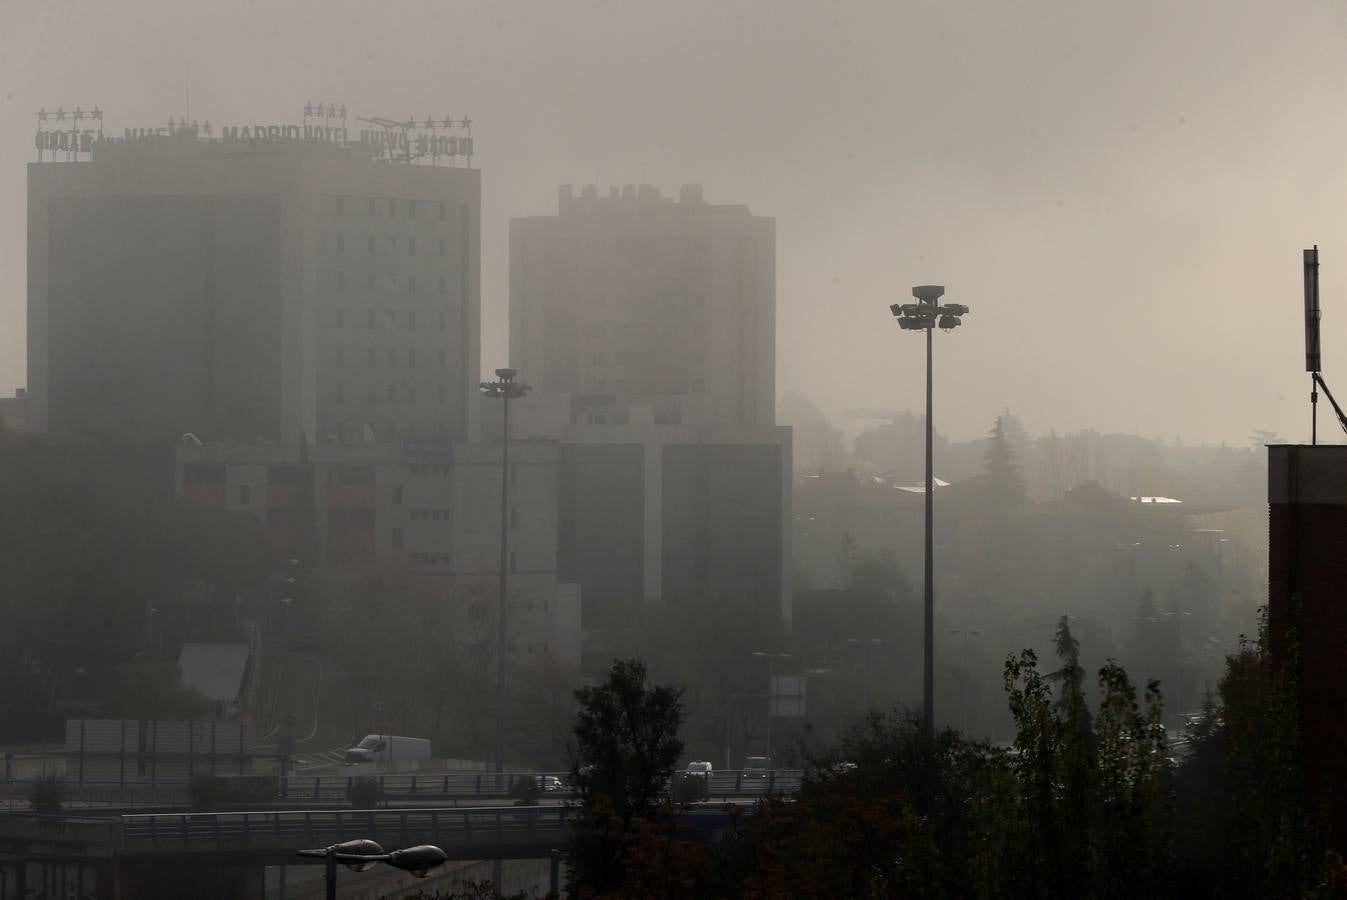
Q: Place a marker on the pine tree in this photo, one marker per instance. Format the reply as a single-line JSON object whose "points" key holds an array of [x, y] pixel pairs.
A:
{"points": [[1001, 476]]}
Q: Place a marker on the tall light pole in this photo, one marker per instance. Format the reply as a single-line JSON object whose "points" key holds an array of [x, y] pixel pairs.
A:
{"points": [[770, 657], [925, 315], [505, 389], [963, 688]]}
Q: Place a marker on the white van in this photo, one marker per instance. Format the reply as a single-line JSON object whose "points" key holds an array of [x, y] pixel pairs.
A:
{"points": [[388, 748]]}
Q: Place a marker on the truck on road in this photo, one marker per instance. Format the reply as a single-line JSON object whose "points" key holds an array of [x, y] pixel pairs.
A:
{"points": [[388, 748]]}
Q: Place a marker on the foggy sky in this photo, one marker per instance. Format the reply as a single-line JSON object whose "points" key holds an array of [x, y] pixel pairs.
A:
{"points": [[1120, 191]]}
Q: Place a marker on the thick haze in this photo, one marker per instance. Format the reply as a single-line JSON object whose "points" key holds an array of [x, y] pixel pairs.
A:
{"points": [[1119, 191]]}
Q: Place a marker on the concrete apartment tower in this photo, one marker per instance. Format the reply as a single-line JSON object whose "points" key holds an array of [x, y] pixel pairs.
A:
{"points": [[638, 300], [647, 327], [252, 289]]}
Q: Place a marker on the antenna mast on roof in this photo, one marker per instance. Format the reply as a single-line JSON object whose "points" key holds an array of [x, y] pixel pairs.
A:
{"points": [[1312, 360]]}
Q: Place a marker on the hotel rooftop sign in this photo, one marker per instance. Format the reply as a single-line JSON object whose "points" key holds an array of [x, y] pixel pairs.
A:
{"points": [[71, 135]]}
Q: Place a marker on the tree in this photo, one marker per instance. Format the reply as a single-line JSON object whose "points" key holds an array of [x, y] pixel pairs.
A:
{"points": [[1001, 478], [1249, 830], [626, 748]]}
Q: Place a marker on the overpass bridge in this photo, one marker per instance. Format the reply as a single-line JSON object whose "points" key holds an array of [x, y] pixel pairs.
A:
{"points": [[208, 855]]}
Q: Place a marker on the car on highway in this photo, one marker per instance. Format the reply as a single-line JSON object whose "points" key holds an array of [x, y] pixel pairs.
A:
{"points": [[549, 784], [699, 768]]}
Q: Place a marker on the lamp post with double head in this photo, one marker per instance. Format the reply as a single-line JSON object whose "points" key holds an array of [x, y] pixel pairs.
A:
{"points": [[926, 315], [359, 855], [505, 389]]}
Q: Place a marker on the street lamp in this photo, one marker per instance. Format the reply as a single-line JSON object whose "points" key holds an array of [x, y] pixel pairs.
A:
{"points": [[866, 642], [505, 389], [359, 855], [759, 654], [963, 688], [926, 315]]}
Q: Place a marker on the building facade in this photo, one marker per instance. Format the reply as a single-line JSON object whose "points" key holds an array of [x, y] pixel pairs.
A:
{"points": [[635, 299], [697, 517], [1307, 620], [431, 511], [241, 289]]}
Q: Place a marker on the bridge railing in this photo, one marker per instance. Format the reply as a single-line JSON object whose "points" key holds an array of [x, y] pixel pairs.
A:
{"points": [[302, 788], [171, 832]]}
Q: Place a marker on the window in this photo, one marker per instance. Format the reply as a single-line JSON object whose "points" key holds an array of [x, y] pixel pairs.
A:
{"points": [[514, 522], [390, 244], [341, 356], [245, 494], [444, 359], [392, 358], [597, 359], [411, 319], [369, 356], [397, 538], [698, 386], [397, 495], [370, 278], [443, 209], [512, 565], [411, 209], [351, 518], [341, 243], [341, 281], [370, 319], [371, 206], [341, 205], [371, 245], [372, 398], [444, 285], [411, 358], [411, 246], [597, 329], [699, 357], [392, 208], [411, 394], [411, 284], [444, 396], [341, 394], [444, 246], [444, 322], [392, 393], [699, 328], [341, 318]]}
